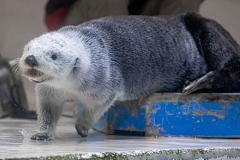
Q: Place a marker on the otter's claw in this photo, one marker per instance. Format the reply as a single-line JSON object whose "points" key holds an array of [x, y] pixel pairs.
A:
{"points": [[41, 137], [82, 131]]}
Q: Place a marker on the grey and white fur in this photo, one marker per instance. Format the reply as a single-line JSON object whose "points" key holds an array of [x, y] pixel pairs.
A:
{"points": [[108, 59]]}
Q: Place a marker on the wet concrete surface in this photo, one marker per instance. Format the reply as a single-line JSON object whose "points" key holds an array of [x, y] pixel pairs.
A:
{"points": [[15, 141]]}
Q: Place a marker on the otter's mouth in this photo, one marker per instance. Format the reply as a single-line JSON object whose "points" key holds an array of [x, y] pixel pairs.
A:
{"points": [[36, 76]]}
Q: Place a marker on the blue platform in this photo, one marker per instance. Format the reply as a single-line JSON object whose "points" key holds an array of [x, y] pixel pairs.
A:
{"points": [[174, 114]]}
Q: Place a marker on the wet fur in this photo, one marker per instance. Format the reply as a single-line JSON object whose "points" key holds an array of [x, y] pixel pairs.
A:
{"points": [[221, 53], [114, 58]]}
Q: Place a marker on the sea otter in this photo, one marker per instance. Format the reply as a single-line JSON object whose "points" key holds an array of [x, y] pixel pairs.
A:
{"points": [[124, 58]]}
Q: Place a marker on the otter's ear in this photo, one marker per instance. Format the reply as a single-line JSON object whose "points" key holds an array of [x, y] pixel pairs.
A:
{"points": [[76, 64]]}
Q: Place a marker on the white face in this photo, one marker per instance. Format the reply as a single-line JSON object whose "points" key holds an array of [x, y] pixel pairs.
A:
{"points": [[49, 57]]}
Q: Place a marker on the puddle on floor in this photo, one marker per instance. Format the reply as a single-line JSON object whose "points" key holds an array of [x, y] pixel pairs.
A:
{"points": [[15, 141]]}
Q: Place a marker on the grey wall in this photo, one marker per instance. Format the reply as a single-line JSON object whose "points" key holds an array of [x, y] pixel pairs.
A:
{"points": [[22, 20], [225, 12]]}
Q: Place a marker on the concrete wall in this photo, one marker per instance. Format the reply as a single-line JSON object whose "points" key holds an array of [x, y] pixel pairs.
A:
{"points": [[22, 20], [225, 12]]}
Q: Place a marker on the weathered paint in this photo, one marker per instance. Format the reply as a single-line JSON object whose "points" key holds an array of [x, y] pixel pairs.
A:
{"points": [[175, 114], [122, 117], [204, 115]]}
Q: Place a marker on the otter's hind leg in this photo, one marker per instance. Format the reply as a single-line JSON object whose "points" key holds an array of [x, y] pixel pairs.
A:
{"points": [[204, 82], [224, 80]]}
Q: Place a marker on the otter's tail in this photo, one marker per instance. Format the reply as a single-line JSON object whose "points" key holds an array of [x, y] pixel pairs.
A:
{"points": [[221, 52], [213, 41]]}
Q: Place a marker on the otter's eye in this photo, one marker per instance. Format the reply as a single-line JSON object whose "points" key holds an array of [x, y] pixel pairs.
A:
{"points": [[54, 57]]}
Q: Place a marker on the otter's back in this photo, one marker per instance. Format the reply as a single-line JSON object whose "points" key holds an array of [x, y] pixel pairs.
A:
{"points": [[152, 53]]}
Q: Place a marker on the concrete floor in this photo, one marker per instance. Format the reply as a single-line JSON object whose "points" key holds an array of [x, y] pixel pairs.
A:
{"points": [[15, 142]]}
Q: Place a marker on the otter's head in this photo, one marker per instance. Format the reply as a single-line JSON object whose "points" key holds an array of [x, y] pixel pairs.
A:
{"points": [[49, 57]]}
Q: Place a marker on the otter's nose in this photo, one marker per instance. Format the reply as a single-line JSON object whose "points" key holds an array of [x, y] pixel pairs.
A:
{"points": [[31, 61]]}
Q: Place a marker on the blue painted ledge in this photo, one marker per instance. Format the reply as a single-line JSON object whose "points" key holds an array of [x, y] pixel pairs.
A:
{"points": [[174, 114]]}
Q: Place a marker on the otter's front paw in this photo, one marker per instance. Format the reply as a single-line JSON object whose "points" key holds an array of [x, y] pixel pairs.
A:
{"points": [[82, 131], [41, 137]]}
